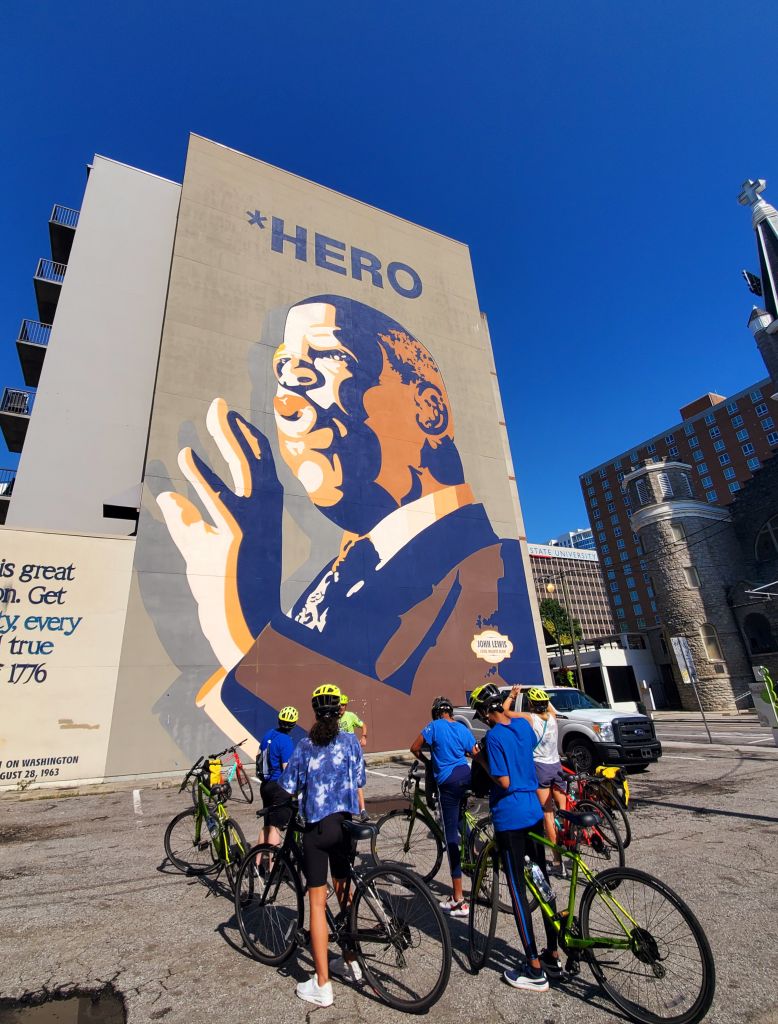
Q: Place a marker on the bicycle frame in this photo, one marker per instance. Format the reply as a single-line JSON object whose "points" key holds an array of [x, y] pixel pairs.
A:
{"points": [[467, 822]]}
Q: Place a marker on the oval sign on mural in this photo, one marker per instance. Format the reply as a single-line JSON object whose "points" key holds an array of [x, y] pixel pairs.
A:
{"points": [[492, 646]]}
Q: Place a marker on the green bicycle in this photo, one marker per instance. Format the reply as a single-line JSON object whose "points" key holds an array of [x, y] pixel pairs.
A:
{"points": [[644, 946], [203, 839], [413, 836]]}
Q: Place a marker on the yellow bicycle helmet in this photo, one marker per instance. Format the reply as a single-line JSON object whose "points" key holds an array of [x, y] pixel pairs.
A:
{"points": [[288, 714], [343, 700], [325, 700], [538, 695], [484, 699]]}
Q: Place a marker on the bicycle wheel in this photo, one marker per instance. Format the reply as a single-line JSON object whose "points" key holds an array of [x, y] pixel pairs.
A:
{"points": [[232, 848], [244, 782], [600, 845], [479, 837], [668, 973], [616, 809], [401, 938], [269, 904], [407, 840], [482, 919], [188, 844]]}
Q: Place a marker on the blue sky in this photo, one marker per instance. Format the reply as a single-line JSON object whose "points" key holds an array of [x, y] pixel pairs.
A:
{"points": [[590, 155]]}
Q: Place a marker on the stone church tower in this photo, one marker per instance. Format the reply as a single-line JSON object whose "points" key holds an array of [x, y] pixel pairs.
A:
{"points": [[690, 549]]}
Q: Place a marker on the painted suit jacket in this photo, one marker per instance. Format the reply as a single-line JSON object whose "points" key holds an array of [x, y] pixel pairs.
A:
{"points": [[399, 635]]}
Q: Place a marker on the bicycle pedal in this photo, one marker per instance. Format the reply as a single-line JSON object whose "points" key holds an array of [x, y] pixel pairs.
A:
{"points": [[302, 937], [573, 965]]}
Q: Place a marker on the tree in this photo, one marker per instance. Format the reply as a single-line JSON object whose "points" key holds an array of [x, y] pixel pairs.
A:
{"points": [[556, 623]]}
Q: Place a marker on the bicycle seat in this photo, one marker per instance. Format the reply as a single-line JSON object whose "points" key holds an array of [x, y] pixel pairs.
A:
{"points": [[360, 829], [585, 820]]}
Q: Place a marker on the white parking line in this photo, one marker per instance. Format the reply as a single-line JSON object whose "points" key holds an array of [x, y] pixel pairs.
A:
{"points": [[372, 771], [136, 802], [680, 757]]}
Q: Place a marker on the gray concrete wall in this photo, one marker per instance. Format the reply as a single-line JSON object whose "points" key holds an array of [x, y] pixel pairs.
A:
{"points": [[87, 436]]}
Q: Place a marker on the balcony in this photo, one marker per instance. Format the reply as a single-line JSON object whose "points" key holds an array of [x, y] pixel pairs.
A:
{"points": [[48, 279], [15, 409], [62, 229], [7, 478], [31, 346]]}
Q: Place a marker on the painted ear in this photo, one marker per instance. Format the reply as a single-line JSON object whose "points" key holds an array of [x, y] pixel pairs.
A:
{"points": [[432, 413]]}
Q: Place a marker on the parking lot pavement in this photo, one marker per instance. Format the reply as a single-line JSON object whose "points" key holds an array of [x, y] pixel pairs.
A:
{"points": [[735, 731], [87, 899]]}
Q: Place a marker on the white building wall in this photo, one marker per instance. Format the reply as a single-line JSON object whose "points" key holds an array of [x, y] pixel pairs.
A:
{"points": [[87, 435]]}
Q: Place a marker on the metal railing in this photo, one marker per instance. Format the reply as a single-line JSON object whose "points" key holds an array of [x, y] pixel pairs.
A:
{"points": [[7, 477], [48, 270], [65, 216], [17, 400], [34, 332]]}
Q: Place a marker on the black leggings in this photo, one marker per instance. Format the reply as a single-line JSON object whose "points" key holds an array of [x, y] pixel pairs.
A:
{"points": [[514, 845], [326, 844]]}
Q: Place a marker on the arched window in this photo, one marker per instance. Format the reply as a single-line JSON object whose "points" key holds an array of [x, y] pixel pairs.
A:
{"points": [[759, 634], [711, 640], [766, 545]]}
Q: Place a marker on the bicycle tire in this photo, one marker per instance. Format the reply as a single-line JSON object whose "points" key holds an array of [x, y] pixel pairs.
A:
{"points": [[269, 907], [244, 782], [651, 951], [187, 847], [393, 912], [615, 808], [601, 844], [481, 834], [233, 850], [409, 844], [482, 917]]}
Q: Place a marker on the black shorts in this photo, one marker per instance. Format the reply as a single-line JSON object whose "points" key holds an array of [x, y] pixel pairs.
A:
{"points": [[279, 802], [325, 843]]}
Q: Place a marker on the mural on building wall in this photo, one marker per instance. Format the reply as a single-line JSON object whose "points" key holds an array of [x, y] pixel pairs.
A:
{"points": [[422, 596]]}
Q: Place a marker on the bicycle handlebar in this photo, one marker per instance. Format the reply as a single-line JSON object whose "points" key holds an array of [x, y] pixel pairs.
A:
{"points": [[191, 772]]}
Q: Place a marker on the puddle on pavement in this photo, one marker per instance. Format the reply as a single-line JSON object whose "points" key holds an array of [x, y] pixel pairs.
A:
{"points": [[105, 1009]]}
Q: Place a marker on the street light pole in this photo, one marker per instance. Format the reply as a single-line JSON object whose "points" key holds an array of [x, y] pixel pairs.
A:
{"points": [[568, 606]]}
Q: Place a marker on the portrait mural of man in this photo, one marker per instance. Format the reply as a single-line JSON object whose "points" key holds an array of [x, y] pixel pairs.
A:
{"points": [[365, 424]]}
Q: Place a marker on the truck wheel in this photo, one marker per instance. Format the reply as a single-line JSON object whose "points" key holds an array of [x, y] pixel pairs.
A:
{"points": [[638, 767], [582, 754]]}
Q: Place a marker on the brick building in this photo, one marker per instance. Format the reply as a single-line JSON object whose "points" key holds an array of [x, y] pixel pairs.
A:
{"points": [[585, 585]]}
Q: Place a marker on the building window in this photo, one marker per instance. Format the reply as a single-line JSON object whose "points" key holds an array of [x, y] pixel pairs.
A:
{"points": [[664, 485], [748, 449], [633, 456], [715, 432], [766, 545], [731, 408], [627, 570], [719, 446], [756, 396], [611, 506], [590, 491], [710, 419], [637, 609], [611, 574], [641, 623], [711, 641], [691, 576], [650, 448], [767, 423], [617, 464], [742, 435], [602, 536], [643, 564], [698, 455], [702, 467], [761, 410], [587, 479], [642, 489], [688, 430], [694, 441], [620, 544], [734, 486], [669, 438], [737, 421], [608, 495], [616, 598], [650, 591], [627, 500], [620, 613], [707, 481], [710, 495], [624, 555], [603, 472], [672, 452], [605, 549], [614, 520], [729, 473], [677, 531], [724, 459], [772, 439], [615, 587], [752, 464], [617, 531], [620, 477], [594, 502]]}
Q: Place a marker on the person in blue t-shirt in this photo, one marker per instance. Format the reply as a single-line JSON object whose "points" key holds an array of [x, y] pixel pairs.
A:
{"points": [[450, 744], [516, 811], [275, 749], [327, 769]]}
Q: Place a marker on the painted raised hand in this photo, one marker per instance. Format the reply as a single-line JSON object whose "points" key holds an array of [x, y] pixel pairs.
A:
{"points": [[233, 562]]}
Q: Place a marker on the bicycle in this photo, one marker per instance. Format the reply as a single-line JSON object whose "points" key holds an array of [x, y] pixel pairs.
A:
{"points": [[392, 923], [237, 771], [628, 929], [608, 788], [203, 839]]}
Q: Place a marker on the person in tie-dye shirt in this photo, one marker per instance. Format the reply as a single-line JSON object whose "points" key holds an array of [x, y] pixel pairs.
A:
{"points": [[327, 769]]}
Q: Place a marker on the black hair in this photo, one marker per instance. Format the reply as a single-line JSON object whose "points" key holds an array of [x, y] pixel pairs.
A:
{"points": [[324, 730]]}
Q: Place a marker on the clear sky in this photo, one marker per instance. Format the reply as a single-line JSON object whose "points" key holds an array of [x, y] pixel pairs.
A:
{"points": [[589, 153]]}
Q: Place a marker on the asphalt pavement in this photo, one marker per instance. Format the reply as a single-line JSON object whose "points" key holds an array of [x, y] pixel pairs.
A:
{"points": [[88, 901], [687, 728]]}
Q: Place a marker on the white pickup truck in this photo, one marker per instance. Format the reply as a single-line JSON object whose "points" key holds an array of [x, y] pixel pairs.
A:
{"points": [[589, 733]]}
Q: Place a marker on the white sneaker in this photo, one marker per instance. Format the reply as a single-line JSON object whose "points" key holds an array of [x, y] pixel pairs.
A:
{"points": [[312, 992], [348, 971], [457, 908]]}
